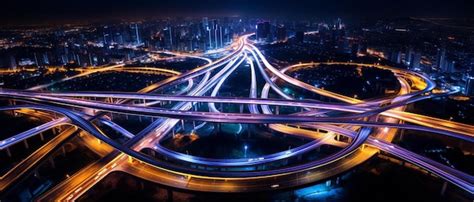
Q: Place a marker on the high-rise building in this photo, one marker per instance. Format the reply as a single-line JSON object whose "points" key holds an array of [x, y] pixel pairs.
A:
{"points": [[395, 56], [36, 60], [137, 34], [205, 23], [216, 36], [263, 30], [469, 88], [12, 62], [449, 66], [440, 59], [45, 59], [415, 60], [299, 36], [221, 39], [338, 24], [281, 33], [168, 32], [409, 56], [105, 38]]}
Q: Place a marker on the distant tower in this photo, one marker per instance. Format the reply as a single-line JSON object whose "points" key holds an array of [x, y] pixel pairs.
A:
{"points": [[441, 60], [45, 58], [395, 56], [408, 56], [210, 38], [216, 45], [415, 60], [469, 89], [136, 32], [299, 36], [105, 38], [263, 30], [449, 66], [281, 33], [36, 60], [171, 37], [220, 35], [205, 22], [13, 64]]}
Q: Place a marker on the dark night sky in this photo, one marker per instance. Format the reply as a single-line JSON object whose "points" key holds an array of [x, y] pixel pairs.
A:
{"points": [[12, 11]]}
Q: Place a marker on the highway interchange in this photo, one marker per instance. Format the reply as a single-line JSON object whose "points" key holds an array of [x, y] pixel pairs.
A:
{"points": [[369, 125]]}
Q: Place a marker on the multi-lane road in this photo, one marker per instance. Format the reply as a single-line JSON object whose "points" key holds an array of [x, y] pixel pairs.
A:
{"points": [[369, 125]]}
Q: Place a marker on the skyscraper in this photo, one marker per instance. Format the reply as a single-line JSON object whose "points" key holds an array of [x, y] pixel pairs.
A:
{"points": [[440, 59], [205, 23], [263, 30], [221, 37], [299, 36], [281, 33], [469, 88], [395, 56], [409, 56], [415, 60], [449, 66], [168, 32], [137, 34]]}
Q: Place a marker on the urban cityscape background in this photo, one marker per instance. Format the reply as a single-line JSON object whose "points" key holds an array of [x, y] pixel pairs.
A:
{"points": [[237, 101]]}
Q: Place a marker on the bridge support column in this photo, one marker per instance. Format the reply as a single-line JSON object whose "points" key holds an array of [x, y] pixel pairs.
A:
{"points": [[51, 161], [63, 149], [170, 195], [241, 108], [402, 133], [140, 118], [277, 110], [182, 124], [152, 153], [9, 153], [25, 142], [443, 189]]}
